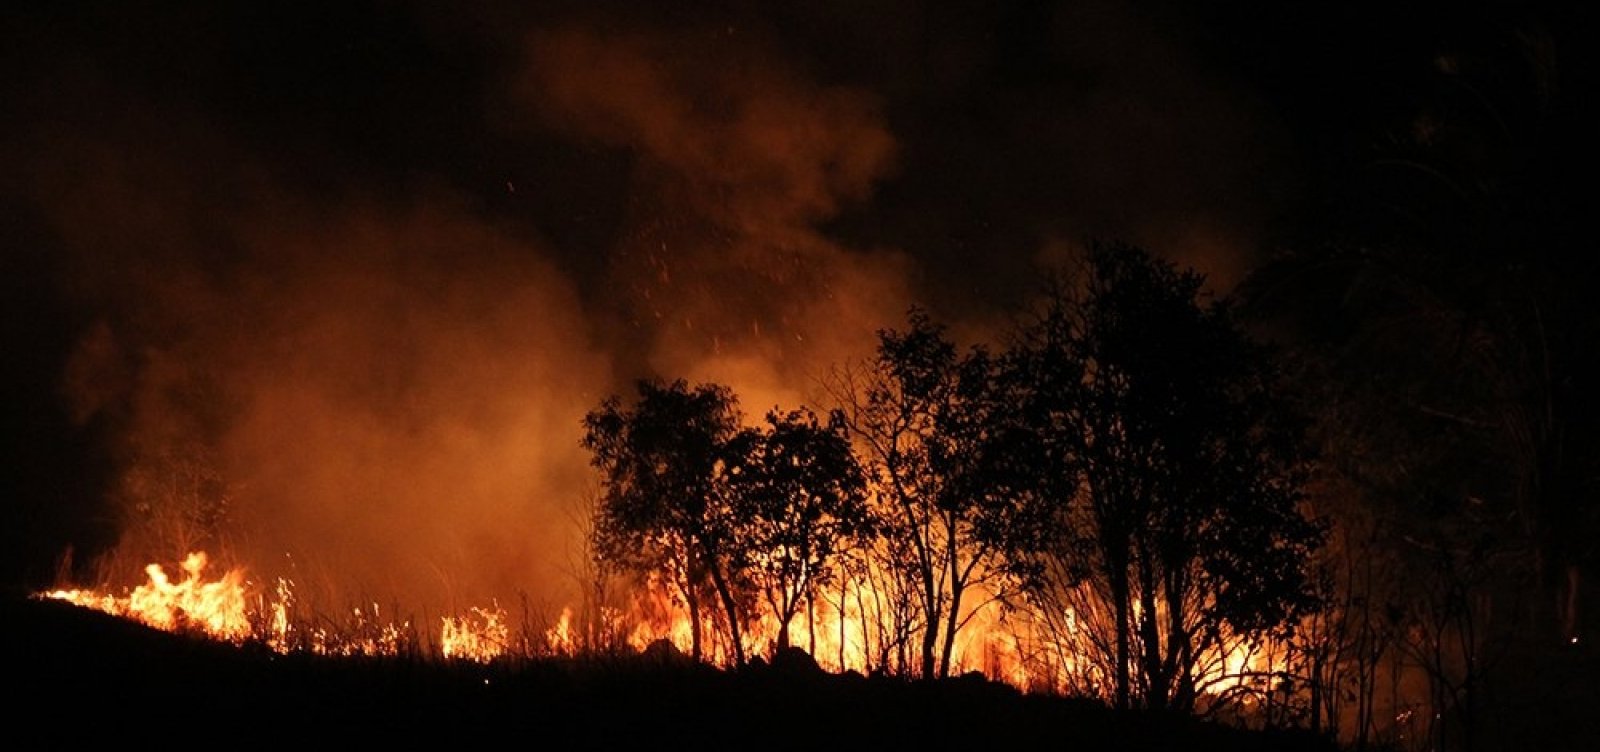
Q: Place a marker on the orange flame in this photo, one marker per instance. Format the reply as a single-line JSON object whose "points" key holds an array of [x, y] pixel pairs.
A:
{"points": [[1016, 645], [216, 608], [480, 635]]}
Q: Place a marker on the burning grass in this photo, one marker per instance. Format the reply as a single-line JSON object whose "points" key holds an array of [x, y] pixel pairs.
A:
{"points": [[216, 608], [842, 636], [250, 645], [231, 609], [99, 679]]}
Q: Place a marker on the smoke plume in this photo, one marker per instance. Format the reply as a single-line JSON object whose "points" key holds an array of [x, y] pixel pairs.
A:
{"points": [[737, 163], [341, 287]]}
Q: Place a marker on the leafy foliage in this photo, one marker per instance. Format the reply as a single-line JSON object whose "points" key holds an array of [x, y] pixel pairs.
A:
{"points": [[799, 496], [1168, 470], [923, 414], [662, 464], [717, 509]]}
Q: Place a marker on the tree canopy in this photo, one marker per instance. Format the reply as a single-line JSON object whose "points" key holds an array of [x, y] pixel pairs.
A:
{"points": [[1168, 468]]}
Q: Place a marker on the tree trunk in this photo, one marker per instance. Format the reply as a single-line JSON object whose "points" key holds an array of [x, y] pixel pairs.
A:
{"points": [[694, 622], [1316, 686], [783, 629], [930, 631], [957, 589], [1180, 646], [952, 620], [1150, 636], [785, 608], [811, 625], [1120, 605], [726, 595], [843, 595]]}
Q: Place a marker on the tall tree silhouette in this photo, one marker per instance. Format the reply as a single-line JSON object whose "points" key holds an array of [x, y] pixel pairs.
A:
{"points": [[920, 412], [799, 496], [664, 506], [1167, 468]]}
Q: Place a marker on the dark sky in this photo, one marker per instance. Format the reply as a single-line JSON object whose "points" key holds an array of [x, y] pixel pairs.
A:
{"points": [[383, 219]]}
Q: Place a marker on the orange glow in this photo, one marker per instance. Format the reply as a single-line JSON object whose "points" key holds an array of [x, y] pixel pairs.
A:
{"points": [[215, 608], [479, 635], [226, 609], [560, 638], [1020, 645]]}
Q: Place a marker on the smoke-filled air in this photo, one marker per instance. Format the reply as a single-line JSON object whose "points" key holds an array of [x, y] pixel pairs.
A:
{"points": [[378, 393], [1223, 358], [376, 387]]}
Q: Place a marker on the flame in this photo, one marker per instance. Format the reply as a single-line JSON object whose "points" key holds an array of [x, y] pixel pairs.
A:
{"points": [[365, 634], [280, 629], [842, 631], [1017, 644], [560, 638], [479, 635], [216, 608], [225, 609]]}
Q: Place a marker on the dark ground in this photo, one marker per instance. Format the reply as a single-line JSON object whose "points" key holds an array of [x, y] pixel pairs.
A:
{"points": [[80, 677]]}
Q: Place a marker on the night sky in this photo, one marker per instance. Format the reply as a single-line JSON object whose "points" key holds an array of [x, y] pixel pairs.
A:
{"points": [[400, 247]]}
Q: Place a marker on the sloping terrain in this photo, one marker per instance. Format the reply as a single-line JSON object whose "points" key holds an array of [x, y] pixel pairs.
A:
{"points": [[79, 676]]}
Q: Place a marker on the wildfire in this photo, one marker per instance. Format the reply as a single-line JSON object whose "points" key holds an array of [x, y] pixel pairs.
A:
{"points": [[216, 607], [480, 635], [224, 609], [842, 633]]}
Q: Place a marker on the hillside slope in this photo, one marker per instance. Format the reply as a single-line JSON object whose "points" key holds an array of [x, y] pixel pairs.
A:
{"points": [[81, 676]]}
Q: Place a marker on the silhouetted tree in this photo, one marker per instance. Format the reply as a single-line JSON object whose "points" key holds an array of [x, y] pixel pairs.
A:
{"points": [[799, 496], [1167, 469], [664, 507], [920, 412]]}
